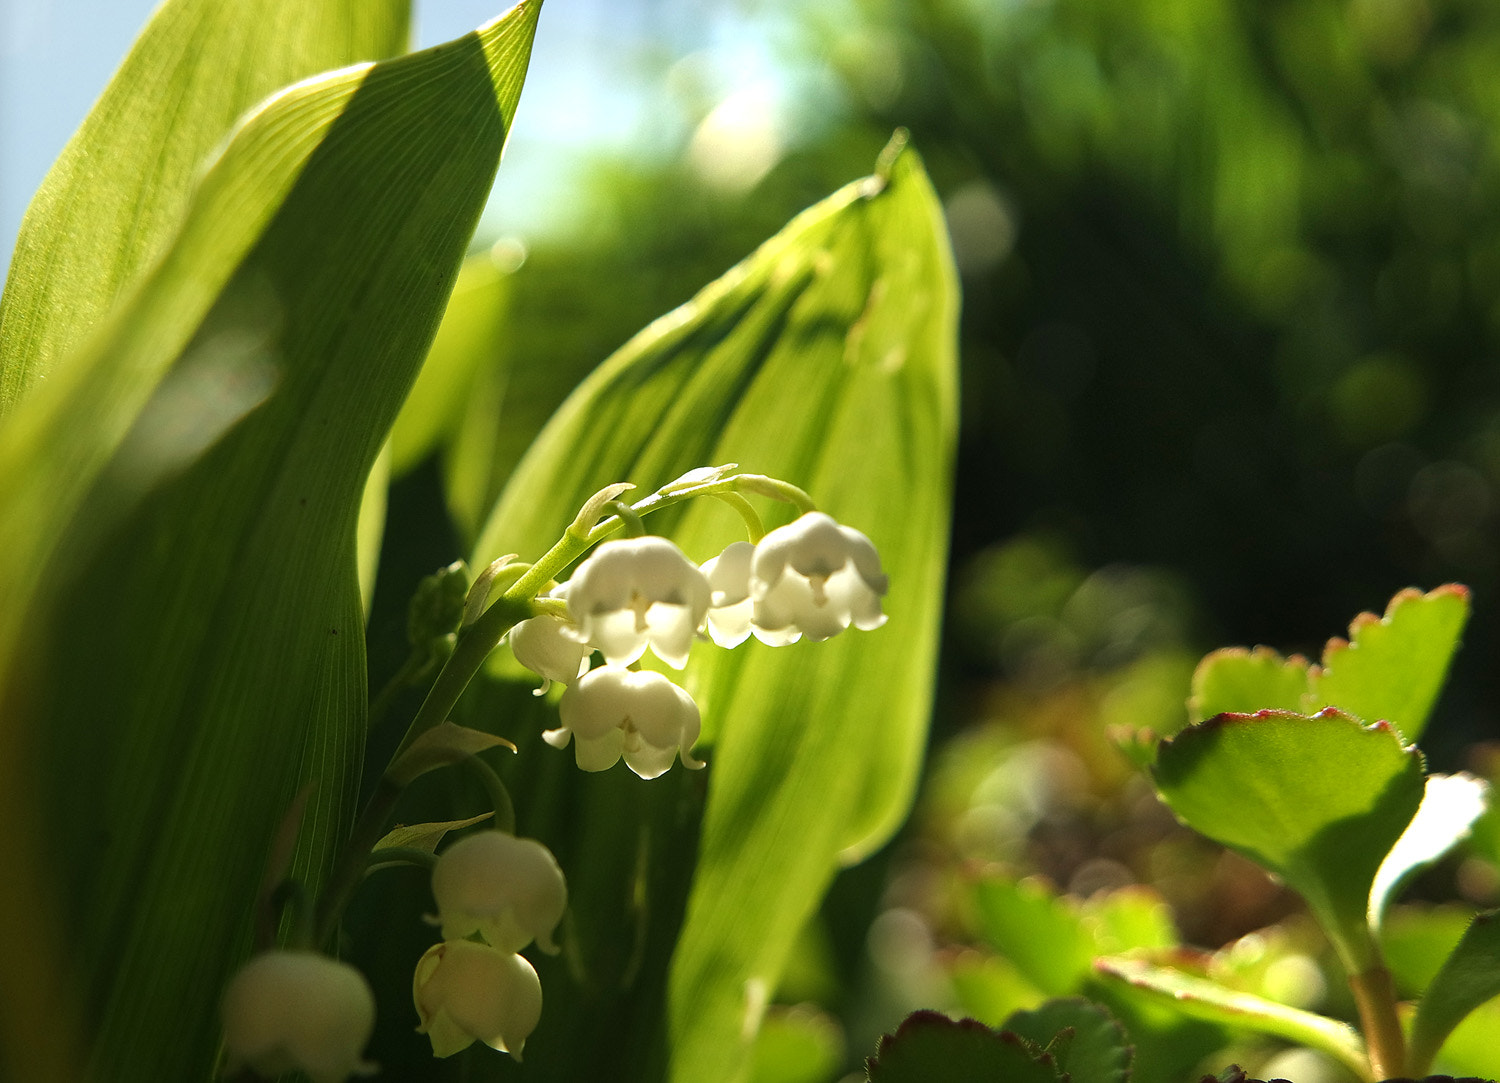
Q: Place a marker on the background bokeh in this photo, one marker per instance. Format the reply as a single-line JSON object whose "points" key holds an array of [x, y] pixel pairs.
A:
{"points": [[1229, 362]]}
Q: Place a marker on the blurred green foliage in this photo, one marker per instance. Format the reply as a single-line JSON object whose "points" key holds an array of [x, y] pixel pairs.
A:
{"points": [[1230, 330]]}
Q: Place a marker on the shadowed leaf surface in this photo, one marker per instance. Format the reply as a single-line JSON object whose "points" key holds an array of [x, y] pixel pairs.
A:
{"points": [[1319, 800], [928, 1046], [189, 484], [1096, 1050]]}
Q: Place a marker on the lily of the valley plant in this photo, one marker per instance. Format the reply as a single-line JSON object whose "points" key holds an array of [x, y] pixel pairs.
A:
{"points": [[496, 893]]}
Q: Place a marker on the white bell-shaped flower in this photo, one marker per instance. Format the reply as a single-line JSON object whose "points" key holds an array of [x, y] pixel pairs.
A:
{"points": [[731, 609], [467, 992], [287, 1011], [730, 606], [613, 712], [508, 890], [638, 591], [551, 647], [816, 577]]}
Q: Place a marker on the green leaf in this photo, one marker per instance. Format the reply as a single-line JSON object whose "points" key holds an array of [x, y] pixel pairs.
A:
{"points": [[1096, 1050], [119, 192], [827, 358], [425, 836], [1202, 998], [1416, 940], [928, 1046], [1450, 806], [1036, 931], [1391, 668], [1317, 800], [1242, 681], [990, 987], [467, 343], [797, 1045], [445, 744], [1471, 1050], [1469, 977], [182, 497]]}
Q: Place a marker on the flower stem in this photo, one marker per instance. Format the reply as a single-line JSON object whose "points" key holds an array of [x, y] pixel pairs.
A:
{"points": [[1375, 995], [753, 525], [634, 528]]}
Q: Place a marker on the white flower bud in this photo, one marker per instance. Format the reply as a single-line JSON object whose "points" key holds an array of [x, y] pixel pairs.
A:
{"points": [[287, 1011], [638, 591], [550, 647], [508, 890], [467, 992], [816, 577], [614, 712]]}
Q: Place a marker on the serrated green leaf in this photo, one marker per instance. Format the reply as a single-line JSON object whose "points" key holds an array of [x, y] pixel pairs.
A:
{"points": [[1202, 998], [1450, 806], [1469, 977], [1097, 1051], [118, 193], [184, 492], [928, 1046], [1391, 668], [1317, 800], [1242, 681], [827, 358]]}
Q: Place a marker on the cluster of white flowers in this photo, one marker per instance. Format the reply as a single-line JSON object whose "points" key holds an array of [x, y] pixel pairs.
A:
{"points": [[290, 1011], [507, 892], [810, 579]]}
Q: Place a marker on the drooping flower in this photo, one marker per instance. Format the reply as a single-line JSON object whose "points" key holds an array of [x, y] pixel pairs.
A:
{"points": [[551, 647], [288, 1011], [614, 712], [731, 609], [467, 992], [508, 890], [729, 605], [816, 577], [638, 591]]}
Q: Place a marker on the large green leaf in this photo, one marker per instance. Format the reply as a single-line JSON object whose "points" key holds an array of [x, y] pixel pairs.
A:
{"points": [[466, 344], [1469, 977], [1318, 800], [118, 193], [827, 358], [184, 492]]}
